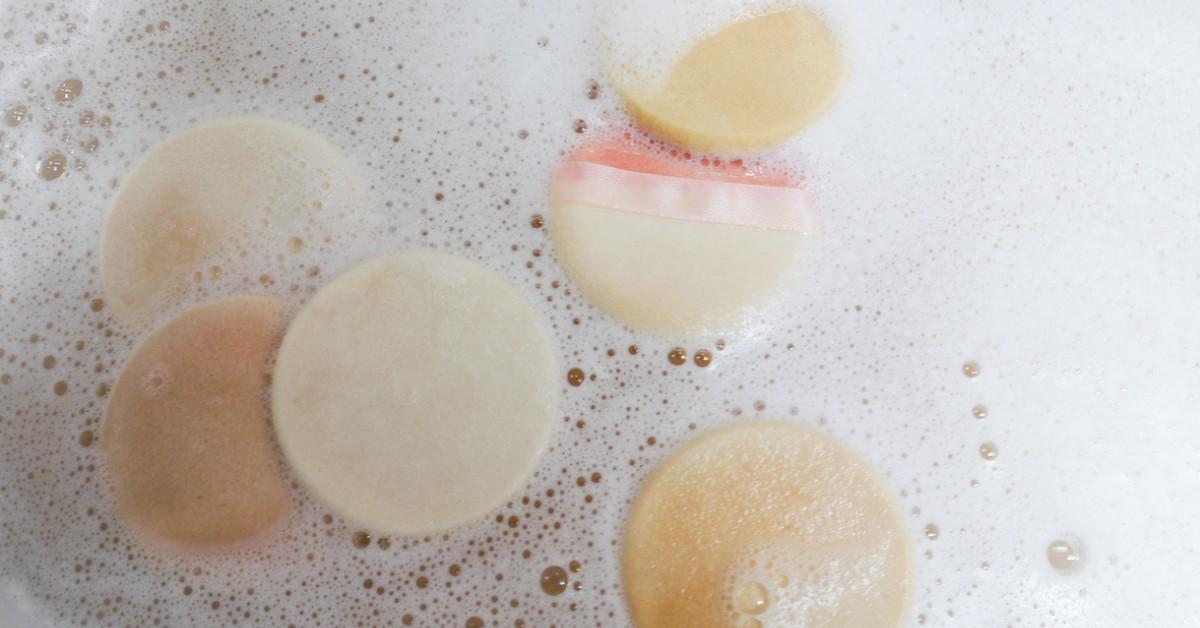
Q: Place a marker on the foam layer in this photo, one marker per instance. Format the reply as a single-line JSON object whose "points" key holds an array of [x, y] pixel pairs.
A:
{"points": [[995, 187]]}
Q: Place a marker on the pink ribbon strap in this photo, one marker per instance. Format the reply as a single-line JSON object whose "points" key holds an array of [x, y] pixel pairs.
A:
{"points": [[748, 205]]}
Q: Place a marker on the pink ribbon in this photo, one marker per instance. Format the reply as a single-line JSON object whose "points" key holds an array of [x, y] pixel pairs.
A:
{"points": [[681, 198]]}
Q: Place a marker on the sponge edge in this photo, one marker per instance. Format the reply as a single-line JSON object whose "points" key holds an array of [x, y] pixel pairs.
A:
{"points": [[751, 85], [415, 392]]}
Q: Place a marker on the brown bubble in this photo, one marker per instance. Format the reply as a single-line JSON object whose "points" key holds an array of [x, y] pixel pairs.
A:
{"points": [[474, 622], [360, 539], [51, 166], [407, 620], [295, 244], [593, 89], [384, 543], [60, 388], [86, 438], [537, 221], [580, 126], [988, 451], [702, 358], [67, 91], [970, 368], [575, 566], [48, 362], [319, 98], [677, 356], [97, 305], [554, 580], [455, 569], [575, 376], [980, 411], [633, 349], [422, 582], [15, 115]]}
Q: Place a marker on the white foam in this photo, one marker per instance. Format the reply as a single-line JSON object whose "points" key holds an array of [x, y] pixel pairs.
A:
{"points": [[1012, 185]]}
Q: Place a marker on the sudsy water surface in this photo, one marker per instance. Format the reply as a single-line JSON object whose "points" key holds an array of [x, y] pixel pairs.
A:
{"points": [[1010, 188]]}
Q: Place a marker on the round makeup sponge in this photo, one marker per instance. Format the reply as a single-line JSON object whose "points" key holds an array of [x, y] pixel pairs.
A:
{"points": [[415, 392], [187, 435], [749, 84], [670, 253], [210, 192], [765, 524]]}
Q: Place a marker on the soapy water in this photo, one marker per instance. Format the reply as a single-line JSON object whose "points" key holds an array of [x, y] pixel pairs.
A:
{"points": [[1011, 188]]}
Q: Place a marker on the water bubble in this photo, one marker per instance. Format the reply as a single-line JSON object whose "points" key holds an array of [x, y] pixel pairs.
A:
{"points": [[970, 368], [554, 580], [931, 531], [15, 115], [68, 91], [1063, 554], [677, 356], [51, 166], [752, 598], [988, 451], [575, 376], [702, 358], [980, 411]]}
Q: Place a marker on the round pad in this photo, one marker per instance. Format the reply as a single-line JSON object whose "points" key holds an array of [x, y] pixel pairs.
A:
{"points": [[414, 392], [674, 254], [765, 524], [186, 431], [237, 183], [750, 84]]}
